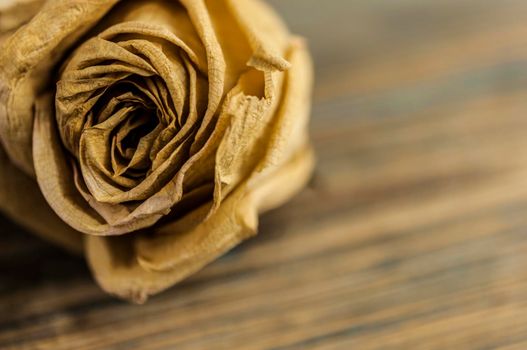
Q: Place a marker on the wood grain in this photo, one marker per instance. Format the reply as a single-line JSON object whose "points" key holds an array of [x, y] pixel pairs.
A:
{"points": [[412, 235]]}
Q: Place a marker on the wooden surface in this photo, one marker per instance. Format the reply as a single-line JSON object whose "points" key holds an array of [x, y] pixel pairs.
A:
{"points": [[413, 234]]}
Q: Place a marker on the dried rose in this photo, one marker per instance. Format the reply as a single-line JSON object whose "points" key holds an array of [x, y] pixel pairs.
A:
{"points": [[156, 130]]}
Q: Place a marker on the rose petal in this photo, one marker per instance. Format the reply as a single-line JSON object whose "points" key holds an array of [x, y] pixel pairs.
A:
{"points": [[15, 13], [18, 192], [155, 20], [216, 65], [26, 60], [267, 35]]}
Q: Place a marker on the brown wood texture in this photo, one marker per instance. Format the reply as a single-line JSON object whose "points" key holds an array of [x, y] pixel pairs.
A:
{"points": [[412, 235]]}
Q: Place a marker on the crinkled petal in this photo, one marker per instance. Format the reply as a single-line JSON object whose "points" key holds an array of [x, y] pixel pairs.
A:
{"points": [[27, 59], [18, 192]]}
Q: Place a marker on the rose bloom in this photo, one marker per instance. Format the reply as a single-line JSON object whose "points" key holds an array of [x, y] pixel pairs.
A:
{"points": [[150, 134]]}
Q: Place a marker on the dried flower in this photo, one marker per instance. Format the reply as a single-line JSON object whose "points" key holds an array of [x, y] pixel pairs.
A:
{"points": [[156, 130]]}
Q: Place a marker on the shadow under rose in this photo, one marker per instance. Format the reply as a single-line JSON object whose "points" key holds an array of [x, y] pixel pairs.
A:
{"points": [[29, 263], [26, 260]]}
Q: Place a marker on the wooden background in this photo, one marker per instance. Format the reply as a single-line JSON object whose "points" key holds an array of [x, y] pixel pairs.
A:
{"points": [[413, 234]]}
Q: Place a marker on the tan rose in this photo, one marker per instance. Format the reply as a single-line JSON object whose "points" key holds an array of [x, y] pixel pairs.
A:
{"points": [[156, 130]]}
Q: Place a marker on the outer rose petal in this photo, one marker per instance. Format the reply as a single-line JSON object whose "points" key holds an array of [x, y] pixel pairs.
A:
{"points": [[26, 61], [134, 267], [14, 13], [18, 191], [20, 198]]}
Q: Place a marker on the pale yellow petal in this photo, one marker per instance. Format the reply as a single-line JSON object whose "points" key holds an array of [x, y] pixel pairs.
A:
{"points": [[15, 13], [268, 36], [21, 200], [27, 59]]}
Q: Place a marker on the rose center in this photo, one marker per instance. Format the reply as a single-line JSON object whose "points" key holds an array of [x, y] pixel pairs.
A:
{"points": [[139, 124]]}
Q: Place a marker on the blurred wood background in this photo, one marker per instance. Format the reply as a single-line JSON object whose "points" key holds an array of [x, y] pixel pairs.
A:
{"points": [[413, 234]]}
